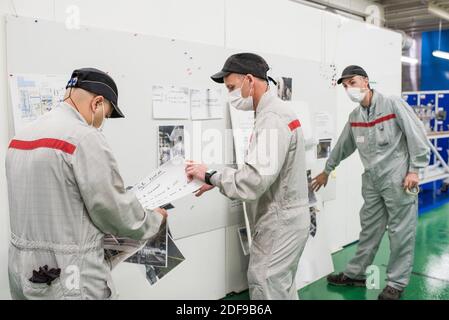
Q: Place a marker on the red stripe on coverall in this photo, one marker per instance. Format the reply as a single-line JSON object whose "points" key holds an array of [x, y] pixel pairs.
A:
{"points": [[373, 123], [43, 143], [294, 124]]}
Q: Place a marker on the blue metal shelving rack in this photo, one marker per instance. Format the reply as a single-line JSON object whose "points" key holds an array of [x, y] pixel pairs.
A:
{"points": [[434, 184]]}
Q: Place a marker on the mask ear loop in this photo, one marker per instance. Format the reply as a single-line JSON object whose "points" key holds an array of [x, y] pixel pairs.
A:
{"points": [[70, 97], [251, 89], [104, 118]]}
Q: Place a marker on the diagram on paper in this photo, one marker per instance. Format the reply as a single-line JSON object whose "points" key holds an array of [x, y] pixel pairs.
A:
{"points": [[33, 95]]}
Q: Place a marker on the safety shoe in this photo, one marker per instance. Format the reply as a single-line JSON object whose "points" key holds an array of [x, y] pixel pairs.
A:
{"points": [[341, 279], [390, 293]]}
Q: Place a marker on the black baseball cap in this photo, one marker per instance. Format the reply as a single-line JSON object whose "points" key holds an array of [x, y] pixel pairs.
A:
{"points": [[98, 82], [351, 71], [244, 63]]}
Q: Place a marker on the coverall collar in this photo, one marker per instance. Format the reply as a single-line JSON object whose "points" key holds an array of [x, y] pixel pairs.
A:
{"points": [[72, 111], [266, 99], [372, 106]]}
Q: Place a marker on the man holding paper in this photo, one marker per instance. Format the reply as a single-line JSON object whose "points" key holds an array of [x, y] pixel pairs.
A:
{"points": [[272, 179], [66, 193]]}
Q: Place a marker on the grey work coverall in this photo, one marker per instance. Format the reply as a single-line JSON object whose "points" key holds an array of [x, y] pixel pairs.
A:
{"points": [[392, 142], [277, 194], [65, 193]]}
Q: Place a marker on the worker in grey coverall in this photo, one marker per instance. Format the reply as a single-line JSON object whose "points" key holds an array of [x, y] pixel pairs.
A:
{"points": [[65, 193], [276, 191], [393, 147]]}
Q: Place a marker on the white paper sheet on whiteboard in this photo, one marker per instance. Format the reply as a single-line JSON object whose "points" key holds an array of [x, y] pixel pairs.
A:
{"points": [[33, 95], [206, 104], [166, 184], [170, 102], [242, 128]]}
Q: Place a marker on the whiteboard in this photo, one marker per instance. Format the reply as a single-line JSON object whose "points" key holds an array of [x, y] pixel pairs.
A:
{"points": [[137, 62]]}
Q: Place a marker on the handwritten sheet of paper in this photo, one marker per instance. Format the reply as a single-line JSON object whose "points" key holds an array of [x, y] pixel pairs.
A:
{"points": [[206, 104], [324, 125], [166, 184], [198, 104], [242, 128], [171, 102], [215, 103]]}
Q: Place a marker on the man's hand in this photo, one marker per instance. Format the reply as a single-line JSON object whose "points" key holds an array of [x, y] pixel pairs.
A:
{"points": [[204, 188], [411, 180], [319, 181], [195, 171], [162, 212]]}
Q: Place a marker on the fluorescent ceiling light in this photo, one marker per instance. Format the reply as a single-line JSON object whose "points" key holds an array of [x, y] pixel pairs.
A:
{"points": [[440, 12], [409, 60], [441, 54]]}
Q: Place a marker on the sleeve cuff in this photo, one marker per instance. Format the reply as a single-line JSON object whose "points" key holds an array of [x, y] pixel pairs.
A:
{"points": [[413, 170], [155, 220], [216, 179], [328, 169]]}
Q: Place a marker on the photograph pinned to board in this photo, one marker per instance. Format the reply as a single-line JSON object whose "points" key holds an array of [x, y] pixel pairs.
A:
{"points": [[284, 87], [171, 143], [206, 104], [33, 95], [174, 258], [243, 235], [170, 102], [154, 252], [312, 196], [324, 148], [313, 224]]}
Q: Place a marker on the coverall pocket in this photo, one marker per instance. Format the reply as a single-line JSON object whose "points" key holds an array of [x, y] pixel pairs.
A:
{"points": [[405, 198], [382, 135], [397, 191], [43, 291], [263, 241], [260, 256], [361, 139]]}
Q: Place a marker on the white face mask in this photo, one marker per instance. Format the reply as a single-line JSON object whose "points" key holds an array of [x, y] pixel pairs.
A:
{"points": [[356, 94], [237, 101]]}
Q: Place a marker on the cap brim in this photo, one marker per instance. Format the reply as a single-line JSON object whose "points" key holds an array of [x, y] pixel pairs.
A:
{"points": [[219, 76], [116, 112], [346, 77]]}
